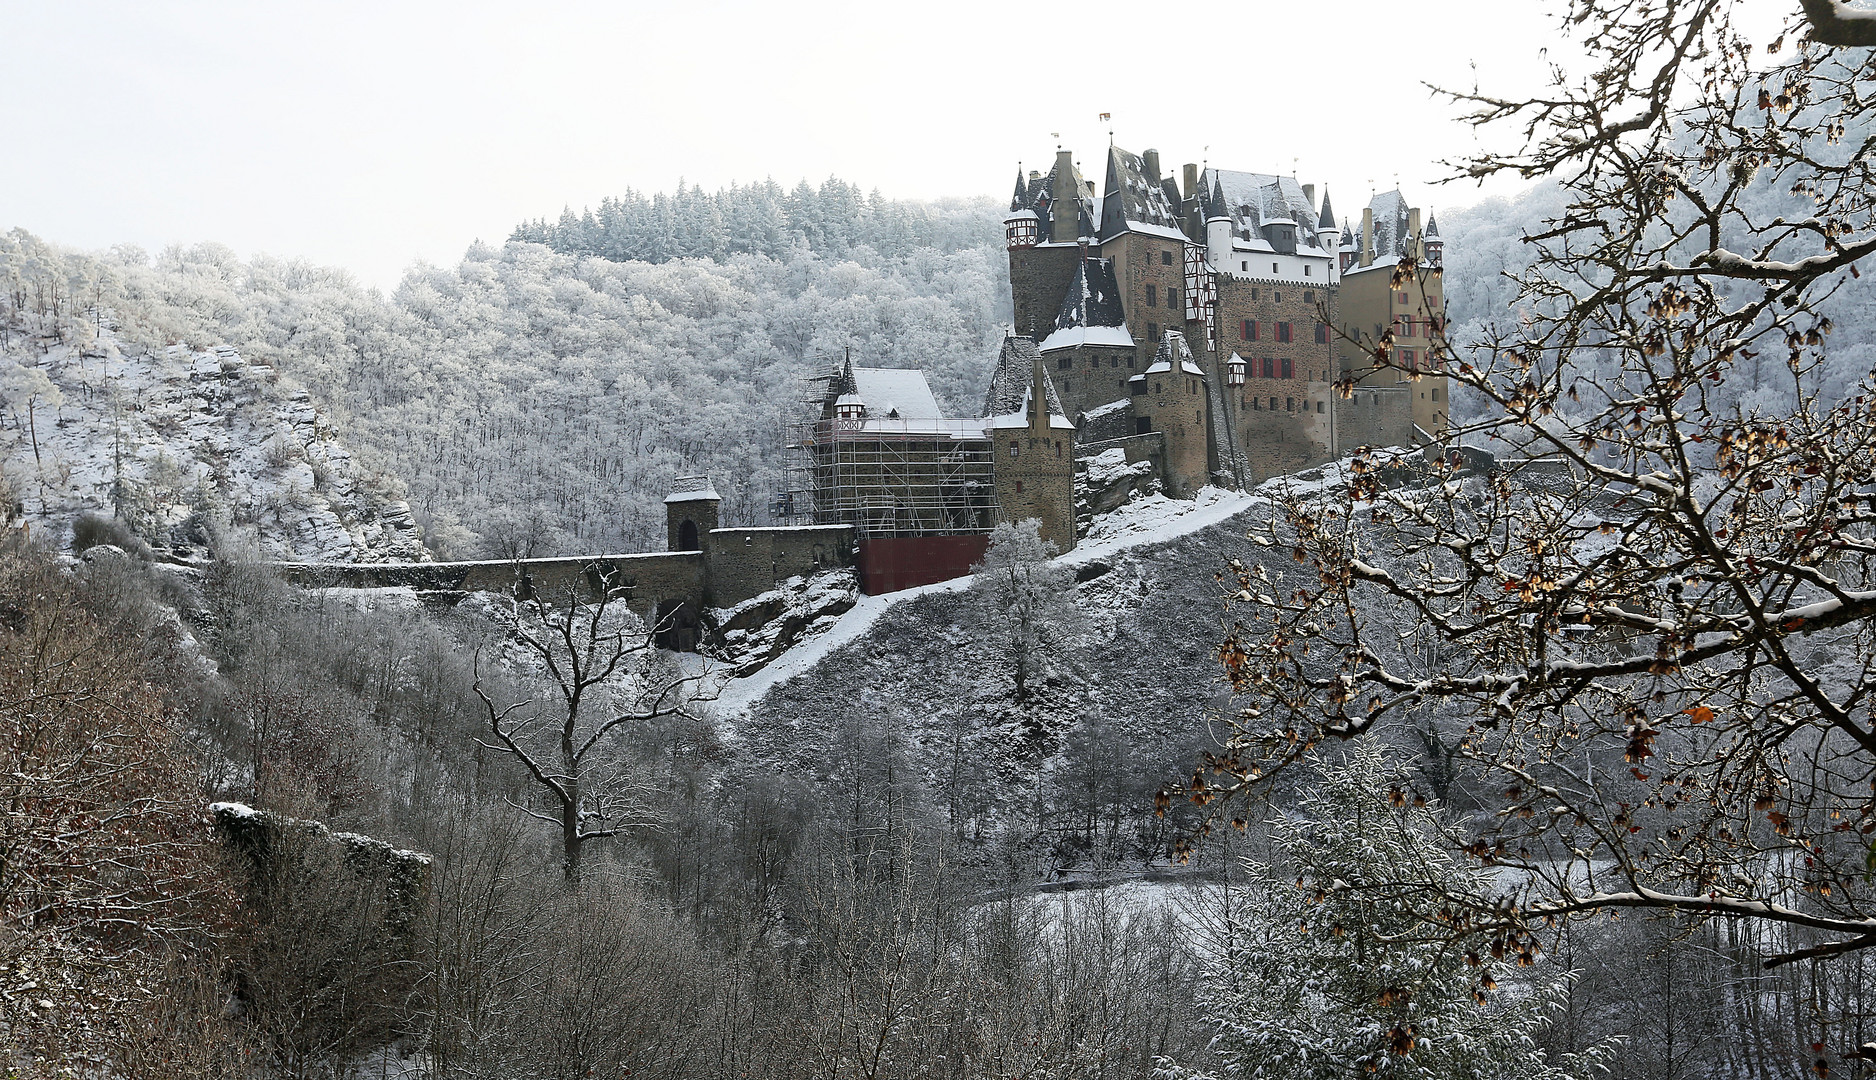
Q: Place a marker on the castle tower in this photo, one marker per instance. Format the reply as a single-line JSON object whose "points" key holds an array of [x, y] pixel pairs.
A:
{"points": [[1170, 397], [1033, 443], [690, 512]]}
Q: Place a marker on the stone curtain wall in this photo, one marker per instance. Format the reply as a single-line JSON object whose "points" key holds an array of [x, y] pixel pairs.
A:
{"points": [[741, 563]]}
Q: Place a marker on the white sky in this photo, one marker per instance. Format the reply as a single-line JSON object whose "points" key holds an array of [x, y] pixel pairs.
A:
{"points": [[368, 135]]}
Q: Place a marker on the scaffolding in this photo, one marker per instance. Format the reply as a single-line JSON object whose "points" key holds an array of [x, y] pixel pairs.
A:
{"points": [[896, 476]]}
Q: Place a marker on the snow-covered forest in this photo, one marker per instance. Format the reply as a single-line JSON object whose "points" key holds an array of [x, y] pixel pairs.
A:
{"points": [[536, 398], [1409, 765]]}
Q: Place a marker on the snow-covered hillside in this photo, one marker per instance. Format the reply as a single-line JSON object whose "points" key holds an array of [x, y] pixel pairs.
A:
{"points": [[178, 442], [923, 668]]}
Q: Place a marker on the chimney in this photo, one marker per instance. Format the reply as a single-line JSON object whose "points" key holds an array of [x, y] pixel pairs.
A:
{"points": [[1150, 162], [1309, 195], [1192, 182], [1367, 236], [1065, 200], [1413, 245]]}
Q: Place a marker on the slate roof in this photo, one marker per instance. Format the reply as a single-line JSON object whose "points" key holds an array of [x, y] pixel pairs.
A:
{"points": [[1253, 200], [1035, 192], [1390, 224], [1011, 380], [1093, 297], [1173, 350], [1327, 219], [1134, 199], [1433, 227]]}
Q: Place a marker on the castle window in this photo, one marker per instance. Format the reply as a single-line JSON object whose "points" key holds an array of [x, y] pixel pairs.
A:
{"points": [[1244, 266], [1172, 297], [1322, 333], [1250, 329], [1287, 368], [1165, 258], [1019, 487], [1058, 448], [1139, 388], [1158, 389], [1257, 403], [1253, 294], [1273, 404], [1129, 361], [1273, 268], [1152, 297], [1283, 333], [1196, 418], [1305, 274], [1309, 295], [1016, 449], [1276, 296], [1407, 359], [1112, 361], [1318, 406], [1270, 368], [1065, 363], [1289, 403], [1152, 331], [1403, 297]]}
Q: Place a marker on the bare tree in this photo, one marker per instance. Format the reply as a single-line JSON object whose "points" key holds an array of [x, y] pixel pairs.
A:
{"points": [[1657, 619], [603, 666]]}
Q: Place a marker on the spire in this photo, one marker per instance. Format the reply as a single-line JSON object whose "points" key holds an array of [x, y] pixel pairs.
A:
{"points": [[1215, 204], [1022, 191], [1327, 220], [1433, 227]]}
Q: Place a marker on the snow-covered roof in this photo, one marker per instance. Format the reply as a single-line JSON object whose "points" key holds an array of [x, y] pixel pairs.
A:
{"points": [[1136, 202], [1072, 336], [1091, 311], [1108, 409], [904, 391], [1173, 350], [692, 489], [1253, 200], [1012, 377]]}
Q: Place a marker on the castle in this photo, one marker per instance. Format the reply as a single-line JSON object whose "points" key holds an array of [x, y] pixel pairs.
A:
{"points": [[1224, 328], [1213, 318]]}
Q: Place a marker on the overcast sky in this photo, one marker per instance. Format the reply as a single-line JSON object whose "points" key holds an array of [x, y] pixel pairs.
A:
{"points": [[369, 135]]}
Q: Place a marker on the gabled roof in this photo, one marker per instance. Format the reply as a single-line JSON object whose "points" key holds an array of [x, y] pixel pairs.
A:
{"points": [[1008, 400], [901, 391], [1173, 351], [1092, 303], [897, 393], [1134, 199], [1390, 224], [1253, 200]]}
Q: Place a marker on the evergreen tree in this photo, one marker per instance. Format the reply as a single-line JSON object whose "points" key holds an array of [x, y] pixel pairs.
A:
{"points": [[1329, 965]]}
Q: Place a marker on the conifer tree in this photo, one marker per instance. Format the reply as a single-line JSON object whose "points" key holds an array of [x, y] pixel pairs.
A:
{"points": [[1322, 967]]}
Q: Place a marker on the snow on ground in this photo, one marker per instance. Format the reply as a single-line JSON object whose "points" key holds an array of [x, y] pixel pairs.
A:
{"points": [[172, 438], [1150, 520]]}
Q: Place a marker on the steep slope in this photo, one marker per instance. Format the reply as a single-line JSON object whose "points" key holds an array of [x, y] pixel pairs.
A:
{"points": [[1122, 709], [178, 442]]}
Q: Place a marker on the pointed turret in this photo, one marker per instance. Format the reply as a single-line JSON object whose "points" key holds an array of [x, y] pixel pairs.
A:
{"points": [[1327, 221], [1021, 197]]}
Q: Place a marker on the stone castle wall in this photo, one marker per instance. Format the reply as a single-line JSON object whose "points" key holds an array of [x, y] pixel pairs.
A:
{"points": [[1039, 278], [742, 563], [1035, 478]]}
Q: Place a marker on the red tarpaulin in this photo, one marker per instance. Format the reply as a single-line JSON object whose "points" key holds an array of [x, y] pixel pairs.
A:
{"points": [[891, 563]]}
